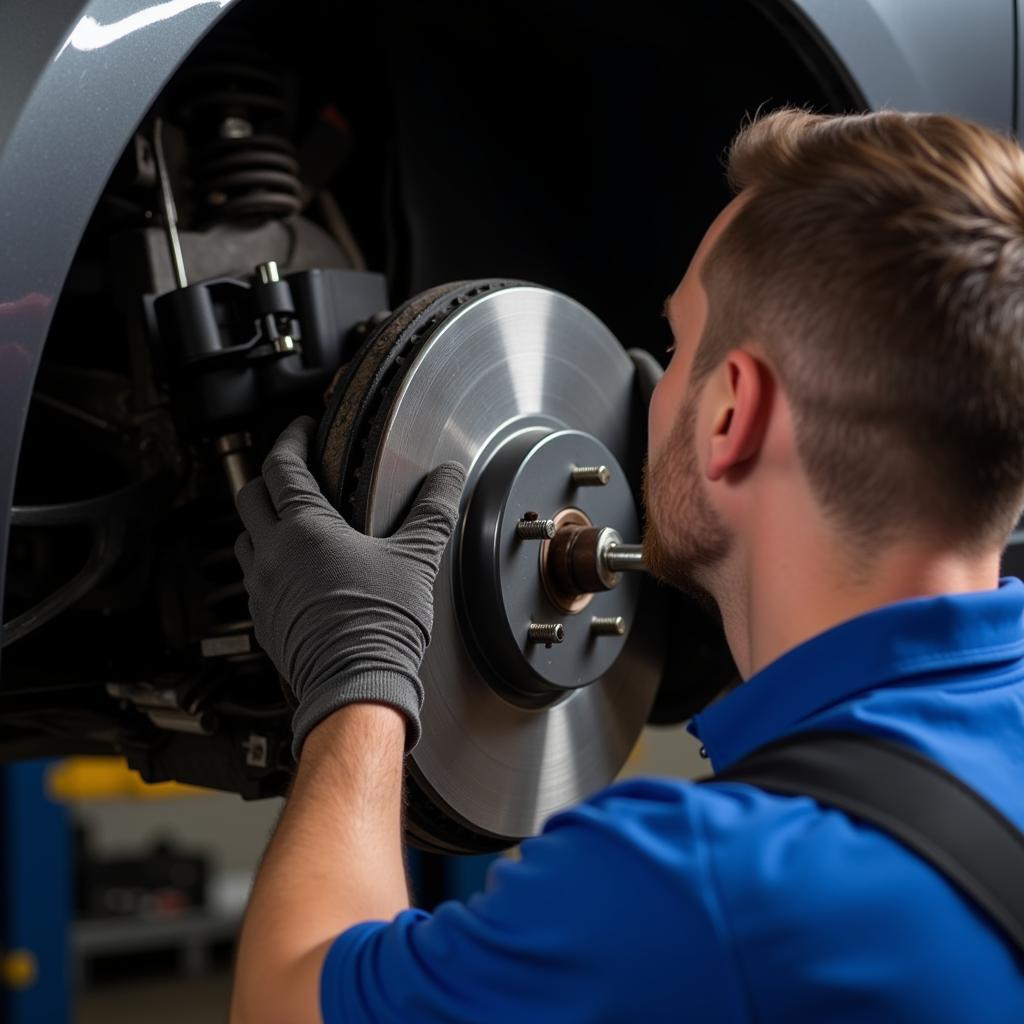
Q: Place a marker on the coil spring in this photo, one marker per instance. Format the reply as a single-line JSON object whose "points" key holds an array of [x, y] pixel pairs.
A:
{"points": [[234, 103]]}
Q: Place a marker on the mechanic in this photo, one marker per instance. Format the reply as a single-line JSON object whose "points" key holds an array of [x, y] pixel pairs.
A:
{"points": [[836, 461]]}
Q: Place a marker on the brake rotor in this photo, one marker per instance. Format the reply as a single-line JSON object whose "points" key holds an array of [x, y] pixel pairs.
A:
{"points": [[520, 384]]}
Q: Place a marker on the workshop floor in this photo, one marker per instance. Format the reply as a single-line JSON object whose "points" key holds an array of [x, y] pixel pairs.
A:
{"points": [[158, 1001]]}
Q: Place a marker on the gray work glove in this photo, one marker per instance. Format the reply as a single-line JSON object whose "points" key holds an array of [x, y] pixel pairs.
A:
{"points": [[344, 617]]}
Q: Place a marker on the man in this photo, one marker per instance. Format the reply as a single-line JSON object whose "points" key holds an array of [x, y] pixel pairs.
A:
{"points": [[836, 458]]}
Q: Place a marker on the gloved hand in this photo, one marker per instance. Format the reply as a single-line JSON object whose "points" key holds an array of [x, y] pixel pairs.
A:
{"points": [[344, 617]]}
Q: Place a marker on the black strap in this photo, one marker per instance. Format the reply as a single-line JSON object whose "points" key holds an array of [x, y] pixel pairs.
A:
{"points": [[906, 794]]}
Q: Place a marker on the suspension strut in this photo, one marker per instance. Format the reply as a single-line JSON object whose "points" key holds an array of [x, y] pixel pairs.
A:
{"points": [[233, 102]]}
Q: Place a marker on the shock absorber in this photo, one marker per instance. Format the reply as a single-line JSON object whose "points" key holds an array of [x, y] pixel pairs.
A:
{"points": [[234, 104]]}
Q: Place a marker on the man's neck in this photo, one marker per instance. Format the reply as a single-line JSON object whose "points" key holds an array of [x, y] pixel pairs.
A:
{"points": [[775, 597]]}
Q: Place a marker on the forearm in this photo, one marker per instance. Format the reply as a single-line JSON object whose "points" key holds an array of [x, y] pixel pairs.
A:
{"points": [[345, 617], [335, 860]]}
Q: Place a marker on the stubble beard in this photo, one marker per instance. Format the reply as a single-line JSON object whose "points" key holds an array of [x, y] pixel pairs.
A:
{"points": [[684, 538]]}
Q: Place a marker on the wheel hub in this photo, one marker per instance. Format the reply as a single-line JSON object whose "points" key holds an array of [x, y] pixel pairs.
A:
{"points": [[510, 584]]}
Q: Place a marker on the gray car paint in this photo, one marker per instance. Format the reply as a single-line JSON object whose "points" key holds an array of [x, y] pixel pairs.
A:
{"points": [[76, 79], [948, 56], [78, 75]]}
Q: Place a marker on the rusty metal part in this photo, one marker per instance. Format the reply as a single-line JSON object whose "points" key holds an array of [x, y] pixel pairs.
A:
{"points": [[577, 562], [555, 555]]}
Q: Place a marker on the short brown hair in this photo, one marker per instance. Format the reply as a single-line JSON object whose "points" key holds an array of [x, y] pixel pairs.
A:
{"points": [[879, 258]]}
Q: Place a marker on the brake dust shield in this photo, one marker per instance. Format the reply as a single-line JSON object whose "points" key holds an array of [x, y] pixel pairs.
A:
{"points": [[521, 385]]}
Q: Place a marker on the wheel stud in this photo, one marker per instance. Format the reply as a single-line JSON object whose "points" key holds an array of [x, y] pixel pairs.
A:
{"points": [[590, 476], [546, 633], [535, 529]]}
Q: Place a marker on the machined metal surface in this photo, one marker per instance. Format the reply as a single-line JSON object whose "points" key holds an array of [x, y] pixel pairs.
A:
{"points": [[509, 583], [531, 356], [535, 529], [618, 557], [268, 272], [608, 625], [546, 633], [169, 209], [590, 476]]}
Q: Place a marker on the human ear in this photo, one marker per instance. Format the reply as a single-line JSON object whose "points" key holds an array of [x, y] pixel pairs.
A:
{"points": [[741, 416]]}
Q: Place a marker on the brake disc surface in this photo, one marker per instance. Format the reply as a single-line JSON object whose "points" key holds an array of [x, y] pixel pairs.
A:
{"points": [[510, 380]]}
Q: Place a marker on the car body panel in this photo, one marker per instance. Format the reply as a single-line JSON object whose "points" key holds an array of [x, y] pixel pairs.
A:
{"points": [[77, 79], [931, 55]]}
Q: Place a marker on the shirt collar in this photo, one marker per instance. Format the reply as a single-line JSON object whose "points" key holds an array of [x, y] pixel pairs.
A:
{"points": [[887, 645]]}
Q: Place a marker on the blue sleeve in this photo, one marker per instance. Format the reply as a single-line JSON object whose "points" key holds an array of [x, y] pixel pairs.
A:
{"points": [[609, 915]]}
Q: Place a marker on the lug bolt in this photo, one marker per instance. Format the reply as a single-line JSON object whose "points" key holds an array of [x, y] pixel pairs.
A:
{"points": [[535, 529], [590, 476], [268, 272], [546, 633], [607, 625]]}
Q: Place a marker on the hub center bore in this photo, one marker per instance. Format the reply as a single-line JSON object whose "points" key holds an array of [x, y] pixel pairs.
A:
{"points": [[555, 558]]}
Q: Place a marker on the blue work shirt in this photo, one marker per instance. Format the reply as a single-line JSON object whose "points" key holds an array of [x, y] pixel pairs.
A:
{"points": [[660, 900]]}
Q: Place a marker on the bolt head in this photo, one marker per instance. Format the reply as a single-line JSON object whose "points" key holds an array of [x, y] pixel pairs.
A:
{"points": [[235, 128]]}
